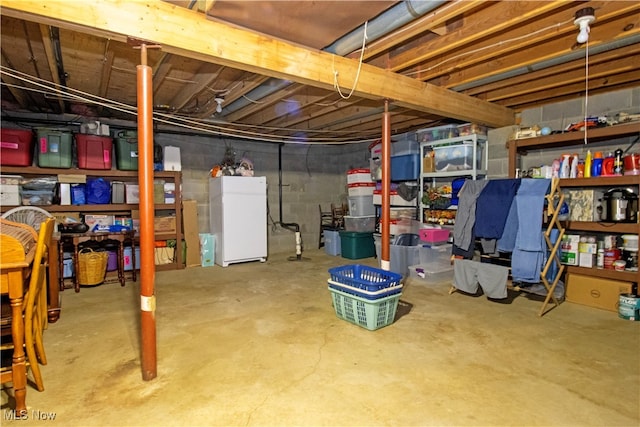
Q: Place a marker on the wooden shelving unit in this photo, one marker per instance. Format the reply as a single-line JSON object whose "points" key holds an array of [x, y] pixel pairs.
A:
{"points": [[122, 208], [603, 135]]}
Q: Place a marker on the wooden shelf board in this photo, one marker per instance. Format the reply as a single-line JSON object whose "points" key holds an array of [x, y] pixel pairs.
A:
{"points": [[604, 227], [627, 276], [575, 138], [603, 181]]}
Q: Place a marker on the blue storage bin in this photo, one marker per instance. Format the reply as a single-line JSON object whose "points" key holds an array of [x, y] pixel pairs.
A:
{"points": [[405, 167], [332, 242]]}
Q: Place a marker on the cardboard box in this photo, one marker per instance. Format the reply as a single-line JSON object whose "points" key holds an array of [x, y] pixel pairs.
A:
{"points": [[191, 236], [595, 291], [98, 222], [9, 194], [158, 191], [164, 224], [569, 249], [170, 192], [66, 217], [132, 193], [585, 205]]}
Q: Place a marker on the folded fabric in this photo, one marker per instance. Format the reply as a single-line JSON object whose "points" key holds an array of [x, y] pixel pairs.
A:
{"points": [[493, 205]]}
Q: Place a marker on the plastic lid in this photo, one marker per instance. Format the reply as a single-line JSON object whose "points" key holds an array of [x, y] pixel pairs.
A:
{"points": [[597, 155]]}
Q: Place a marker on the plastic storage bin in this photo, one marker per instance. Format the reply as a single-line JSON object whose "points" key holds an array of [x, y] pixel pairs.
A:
{"points": [[457, 157], [434, 272], [54, 148], [128, 258], [94, 152], [405, 167], [332, 242], [434, 235], [360, 223], [437, 133], [127, 151], [355, 176], [355, 245], [369, 314], [16, 147], [401, 257], [361, 206], [435, 254]]}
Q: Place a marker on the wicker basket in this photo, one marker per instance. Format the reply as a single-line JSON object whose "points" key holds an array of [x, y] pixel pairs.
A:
{"points": [[92, 266]]}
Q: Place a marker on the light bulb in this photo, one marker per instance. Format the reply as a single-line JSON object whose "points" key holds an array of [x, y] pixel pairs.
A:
{"points": [[583, 35], [219, 101], [583, 18]]}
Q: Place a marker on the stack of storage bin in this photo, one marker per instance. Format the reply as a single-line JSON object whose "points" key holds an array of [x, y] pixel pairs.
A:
{"points": [[356, 241], [365, 296]]}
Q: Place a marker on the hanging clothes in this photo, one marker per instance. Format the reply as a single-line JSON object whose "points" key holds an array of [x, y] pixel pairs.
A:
{"points": [[463, 234], [529, 253]]}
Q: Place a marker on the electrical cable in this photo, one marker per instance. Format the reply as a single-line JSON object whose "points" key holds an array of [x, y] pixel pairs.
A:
{"points": [[176, 120], [586, 89], [355, 82], [480, 49]]}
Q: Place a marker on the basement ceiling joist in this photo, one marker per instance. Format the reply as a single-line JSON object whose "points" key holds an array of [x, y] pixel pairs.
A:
{"points": [[179, 31], [438, 62]]}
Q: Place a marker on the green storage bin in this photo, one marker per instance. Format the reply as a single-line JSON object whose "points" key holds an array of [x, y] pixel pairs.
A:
{"points": [[127, 151], [54, 148], [356, 245]]}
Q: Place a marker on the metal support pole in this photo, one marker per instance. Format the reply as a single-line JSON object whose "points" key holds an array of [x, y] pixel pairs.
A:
{"points": [[147, 237], [386, 184]]}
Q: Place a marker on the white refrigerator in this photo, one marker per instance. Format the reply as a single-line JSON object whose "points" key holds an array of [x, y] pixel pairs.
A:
{"points": [[238, 218]]}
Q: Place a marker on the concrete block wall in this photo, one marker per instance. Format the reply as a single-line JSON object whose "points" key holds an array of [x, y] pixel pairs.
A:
{"points": [[558, 116], [312, 175]]}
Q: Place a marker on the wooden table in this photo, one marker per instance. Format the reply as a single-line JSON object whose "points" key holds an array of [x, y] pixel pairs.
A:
{"points": [[14, 269], [76, 238]]}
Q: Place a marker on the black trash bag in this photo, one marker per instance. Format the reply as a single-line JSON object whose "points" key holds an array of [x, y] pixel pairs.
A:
{"points": [[407, 239], [408, 191]]}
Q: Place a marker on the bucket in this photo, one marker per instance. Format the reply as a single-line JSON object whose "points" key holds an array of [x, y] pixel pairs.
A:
{"points": [[629, 307], [112, 261]]}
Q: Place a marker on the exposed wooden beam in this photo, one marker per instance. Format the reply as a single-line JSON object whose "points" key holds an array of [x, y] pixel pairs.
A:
{"points": [[51, 61], [179, 31], [13, 85], [501, 15], [429, 22], [205, 76]]}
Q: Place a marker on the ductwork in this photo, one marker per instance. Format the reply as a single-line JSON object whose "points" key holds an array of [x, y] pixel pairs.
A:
{"points": [[576, 54], [388, 21]]}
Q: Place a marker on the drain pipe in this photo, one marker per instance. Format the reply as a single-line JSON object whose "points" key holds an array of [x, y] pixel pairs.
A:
{"points": [[291, 226]]}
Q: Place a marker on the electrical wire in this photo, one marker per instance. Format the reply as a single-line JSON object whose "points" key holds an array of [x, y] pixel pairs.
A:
{"points": [[586, 89], [355, 82], [53, 89], [480, 49]]}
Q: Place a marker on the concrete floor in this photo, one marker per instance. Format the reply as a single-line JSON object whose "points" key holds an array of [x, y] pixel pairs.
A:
{"points": [[260, 344]]}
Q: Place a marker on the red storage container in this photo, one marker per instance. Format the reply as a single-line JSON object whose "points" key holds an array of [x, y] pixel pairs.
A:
{"points": [[16, 147], [94, 152]]}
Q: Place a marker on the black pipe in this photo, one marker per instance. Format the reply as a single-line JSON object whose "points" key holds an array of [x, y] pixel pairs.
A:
{"points": [[292, 226]]}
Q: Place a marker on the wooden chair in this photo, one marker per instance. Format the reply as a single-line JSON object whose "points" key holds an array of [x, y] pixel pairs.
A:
{"points": [[35, 305], [338, 213], [326, 221]]}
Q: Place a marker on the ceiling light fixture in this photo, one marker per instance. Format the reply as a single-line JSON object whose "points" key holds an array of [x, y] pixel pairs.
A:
{"points": [[584, 17], [219, 100]]}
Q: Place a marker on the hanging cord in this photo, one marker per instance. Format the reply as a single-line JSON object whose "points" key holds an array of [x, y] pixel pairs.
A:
{"points": [[355, 83], [586, 90]]}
